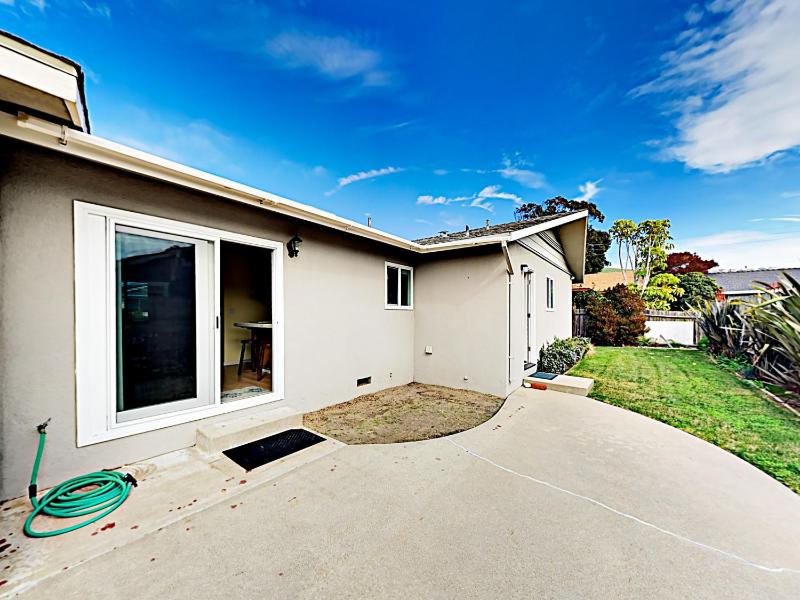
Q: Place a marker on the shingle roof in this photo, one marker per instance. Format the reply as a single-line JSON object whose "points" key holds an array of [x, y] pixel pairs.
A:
{"points": [[736, 281], [490, 230]]}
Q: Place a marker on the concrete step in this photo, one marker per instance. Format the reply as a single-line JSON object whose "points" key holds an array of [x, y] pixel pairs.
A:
{"points": [[223, 435], [580, 386]]}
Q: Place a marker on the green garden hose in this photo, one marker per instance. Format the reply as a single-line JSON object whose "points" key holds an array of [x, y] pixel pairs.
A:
{"points": [[107, 491]]}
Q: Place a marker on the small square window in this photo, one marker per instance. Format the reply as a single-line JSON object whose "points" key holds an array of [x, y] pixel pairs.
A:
{"points": [[399, 286]]}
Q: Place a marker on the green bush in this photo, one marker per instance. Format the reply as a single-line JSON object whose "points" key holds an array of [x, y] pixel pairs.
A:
{"points": [[775, 327], [616, 318], [561, 355], [697, 290], [581, 299]]}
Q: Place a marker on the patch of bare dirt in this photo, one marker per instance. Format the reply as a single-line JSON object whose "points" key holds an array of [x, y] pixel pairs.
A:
{"points": [[406, 413]]}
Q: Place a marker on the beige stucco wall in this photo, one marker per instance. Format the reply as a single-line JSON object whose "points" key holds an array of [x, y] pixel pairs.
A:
{"points": [[460, 310], [336, 326], [547, 324]]}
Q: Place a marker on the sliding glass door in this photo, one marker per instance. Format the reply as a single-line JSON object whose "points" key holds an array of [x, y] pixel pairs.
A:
{"points": [[164, 322], [149, 298]]}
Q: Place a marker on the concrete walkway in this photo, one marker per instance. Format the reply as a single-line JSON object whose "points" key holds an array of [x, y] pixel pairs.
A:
{"points": [[557, 496]]}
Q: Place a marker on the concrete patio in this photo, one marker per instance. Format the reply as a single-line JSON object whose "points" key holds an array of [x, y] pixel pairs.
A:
{"points": [[557, 496]]}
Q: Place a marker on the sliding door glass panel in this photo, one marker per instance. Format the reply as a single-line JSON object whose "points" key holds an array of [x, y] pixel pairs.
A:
{"points": [[162, 302]]}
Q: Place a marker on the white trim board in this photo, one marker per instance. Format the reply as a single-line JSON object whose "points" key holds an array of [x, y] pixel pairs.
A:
{"points": [[95, 322], [99, 150]]}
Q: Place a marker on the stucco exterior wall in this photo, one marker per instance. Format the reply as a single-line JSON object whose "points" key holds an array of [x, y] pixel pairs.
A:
{"points": [[460, 311], [547, 324], [336, 331]]}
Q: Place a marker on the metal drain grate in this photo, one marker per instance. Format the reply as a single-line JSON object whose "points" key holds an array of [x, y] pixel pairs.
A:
{"points": [[263, 451]]}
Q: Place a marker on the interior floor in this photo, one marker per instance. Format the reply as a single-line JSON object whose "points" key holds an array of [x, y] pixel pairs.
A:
{"points": [[236, 386]]}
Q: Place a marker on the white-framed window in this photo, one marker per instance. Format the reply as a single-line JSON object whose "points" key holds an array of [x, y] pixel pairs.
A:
{"points": [[550, 291], [148, 303], [399, 291]]}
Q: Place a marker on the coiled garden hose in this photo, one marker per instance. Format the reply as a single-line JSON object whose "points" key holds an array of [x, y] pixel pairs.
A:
{"points": [[108, 490]]}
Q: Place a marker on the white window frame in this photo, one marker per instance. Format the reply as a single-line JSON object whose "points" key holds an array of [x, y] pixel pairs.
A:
{"points": [[95, 324], [550, 294], [399, 267]]}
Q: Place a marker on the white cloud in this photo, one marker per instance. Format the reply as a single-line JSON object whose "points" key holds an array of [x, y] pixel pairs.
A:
{"points": [[747, 248], [440, 172], [333, 57], [7, 2], [785, 218], [190, 141], [361, 176], [97, 9], [478, 200], [40, 4], [515, 169], [589, 190], [480, 203], [493, 191], [694, 14], [791, 194], [319, 170], [433, 200], [742, 78]]}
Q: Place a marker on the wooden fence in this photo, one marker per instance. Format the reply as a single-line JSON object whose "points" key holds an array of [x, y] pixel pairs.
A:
{"points": [[676, 324], [579, 322]]}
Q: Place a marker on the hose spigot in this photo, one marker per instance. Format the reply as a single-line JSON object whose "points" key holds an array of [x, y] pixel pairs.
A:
{"points": [[41, 428]]}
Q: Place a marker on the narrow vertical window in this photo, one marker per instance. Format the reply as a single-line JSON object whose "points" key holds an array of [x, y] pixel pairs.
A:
{"points": [[550, 287], [399, 286]]}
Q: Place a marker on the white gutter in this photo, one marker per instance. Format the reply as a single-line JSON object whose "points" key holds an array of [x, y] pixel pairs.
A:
{"points": [[96, 149]]}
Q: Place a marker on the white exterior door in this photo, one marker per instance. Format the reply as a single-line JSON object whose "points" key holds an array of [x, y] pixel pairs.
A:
{"points": [[529, 318]]}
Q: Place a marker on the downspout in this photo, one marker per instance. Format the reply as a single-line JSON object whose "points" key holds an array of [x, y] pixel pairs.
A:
{"points": [[509, 273]]}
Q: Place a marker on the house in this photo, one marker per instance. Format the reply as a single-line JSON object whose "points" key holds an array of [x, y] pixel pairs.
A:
{"points": [[744, 284], [141, 298]]}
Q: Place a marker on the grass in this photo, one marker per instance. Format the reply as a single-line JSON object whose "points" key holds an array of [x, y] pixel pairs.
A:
{"points": [[404, 414], [685, 389]]}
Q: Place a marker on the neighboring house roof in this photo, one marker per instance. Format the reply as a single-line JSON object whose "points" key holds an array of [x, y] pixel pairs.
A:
{"points": [[746, 280], [603, 280], [490, 229]]}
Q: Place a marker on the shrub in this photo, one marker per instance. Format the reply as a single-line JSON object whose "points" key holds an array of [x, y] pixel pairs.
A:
{"points": [[561, 355], [697, 290], [581, 299], [722, 323], [775, 329], [616, 318], [663, 290]]}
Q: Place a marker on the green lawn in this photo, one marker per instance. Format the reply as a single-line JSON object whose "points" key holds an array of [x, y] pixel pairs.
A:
{"points": [[685, 389]]}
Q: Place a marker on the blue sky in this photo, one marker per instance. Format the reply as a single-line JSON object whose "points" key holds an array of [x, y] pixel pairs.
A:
{"points": [[433, 115]]}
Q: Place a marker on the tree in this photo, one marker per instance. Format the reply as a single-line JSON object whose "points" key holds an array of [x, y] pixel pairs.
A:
{"points": [[664, 290], [697, 290], [680, 263], [557, 205], [642, 248], [623, 231], [597, 241], [597, 244]]}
